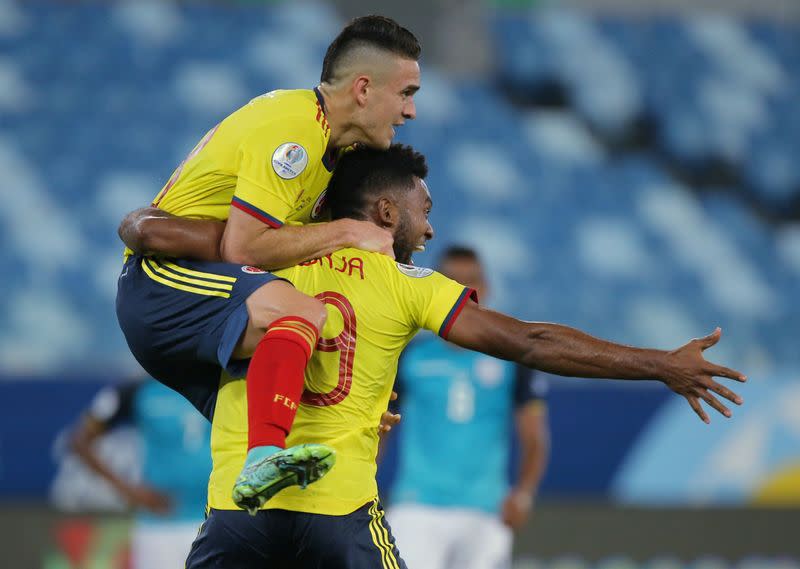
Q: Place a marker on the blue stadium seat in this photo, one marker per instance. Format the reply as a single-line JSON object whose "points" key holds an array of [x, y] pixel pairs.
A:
{"points": [[772, 172], [574, 230]]}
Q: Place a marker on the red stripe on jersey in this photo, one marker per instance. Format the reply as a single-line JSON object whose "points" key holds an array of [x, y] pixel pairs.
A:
{"points": [[261, 215], [452, 316]]}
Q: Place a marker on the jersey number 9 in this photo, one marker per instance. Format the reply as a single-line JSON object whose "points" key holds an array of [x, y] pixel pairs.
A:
{"points": [[345, 344]]}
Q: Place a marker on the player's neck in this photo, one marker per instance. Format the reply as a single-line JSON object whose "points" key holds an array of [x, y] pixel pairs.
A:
{"points": [[344, 132]]}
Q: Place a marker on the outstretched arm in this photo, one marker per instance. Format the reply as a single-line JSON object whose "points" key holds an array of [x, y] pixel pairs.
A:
{"points": [[566, 351]]}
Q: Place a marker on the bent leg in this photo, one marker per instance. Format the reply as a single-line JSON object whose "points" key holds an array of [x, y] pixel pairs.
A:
{"points": [[271, 302], [182, 320], [282, 332], [281, 335]]}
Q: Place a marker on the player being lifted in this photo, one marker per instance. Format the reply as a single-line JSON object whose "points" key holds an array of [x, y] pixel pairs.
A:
{"points": [[375, 307], [264, 169]]}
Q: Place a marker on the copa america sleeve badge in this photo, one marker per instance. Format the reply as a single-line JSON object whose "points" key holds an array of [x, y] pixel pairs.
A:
{"points": [[414, 271], [289, 160]]}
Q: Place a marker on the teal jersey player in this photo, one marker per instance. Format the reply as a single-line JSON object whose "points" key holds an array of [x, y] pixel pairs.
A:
{"points": [[455, 401], [175, 444], [453, 505], [169, 500]]}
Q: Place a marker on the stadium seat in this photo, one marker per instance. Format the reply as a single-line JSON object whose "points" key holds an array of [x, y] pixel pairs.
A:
{"points": [[573, 228]]}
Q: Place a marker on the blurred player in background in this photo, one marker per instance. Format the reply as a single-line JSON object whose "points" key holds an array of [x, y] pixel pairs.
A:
{"points": [[453, 402], [264, 170], [170, 500], [376, 306]]}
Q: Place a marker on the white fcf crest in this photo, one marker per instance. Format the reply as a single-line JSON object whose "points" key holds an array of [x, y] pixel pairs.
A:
{"points": [[414, 272], [289, 160]]}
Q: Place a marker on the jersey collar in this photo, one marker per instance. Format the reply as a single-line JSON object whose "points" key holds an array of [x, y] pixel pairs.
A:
{"points": [[320, 99], [329, 158]]}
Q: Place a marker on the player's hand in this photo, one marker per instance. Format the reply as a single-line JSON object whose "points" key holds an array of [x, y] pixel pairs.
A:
{"points": [[367, 236], [692, 377], [517, 507], [148, 499], [388, 419]]}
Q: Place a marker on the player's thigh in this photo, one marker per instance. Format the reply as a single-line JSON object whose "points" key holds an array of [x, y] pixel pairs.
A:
{"points": [[174, 311], [361, 540], [424, 536], [275, 300], [486, 542], [234, 539]]}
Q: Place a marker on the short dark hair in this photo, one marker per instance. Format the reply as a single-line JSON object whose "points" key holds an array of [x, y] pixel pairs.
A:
{"points": [[377, 31], [459, 252], [365, 172]]}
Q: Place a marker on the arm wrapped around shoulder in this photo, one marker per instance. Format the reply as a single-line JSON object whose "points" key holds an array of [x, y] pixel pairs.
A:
{"points": [[152, 231]]}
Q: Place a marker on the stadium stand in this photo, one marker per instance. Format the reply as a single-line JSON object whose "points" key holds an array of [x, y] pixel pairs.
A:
{"points": [[648, 192]]}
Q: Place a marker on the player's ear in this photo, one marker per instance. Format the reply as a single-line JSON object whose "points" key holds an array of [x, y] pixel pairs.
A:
{"points": [[361, 85], [388, 212]]}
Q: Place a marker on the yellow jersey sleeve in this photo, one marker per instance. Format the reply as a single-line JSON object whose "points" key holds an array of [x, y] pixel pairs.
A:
{"points": [[276, 162], [429, 299]]}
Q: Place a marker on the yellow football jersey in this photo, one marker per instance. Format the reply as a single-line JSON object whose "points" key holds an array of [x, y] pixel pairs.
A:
{"points": [[270, 159], [375, 307]]}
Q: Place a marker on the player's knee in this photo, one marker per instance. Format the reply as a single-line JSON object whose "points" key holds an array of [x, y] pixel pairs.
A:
{"points": [[314, 311], [280, 300], [307, 308]]}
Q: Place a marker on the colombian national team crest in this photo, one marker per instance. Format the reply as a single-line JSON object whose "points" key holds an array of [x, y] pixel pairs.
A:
{"points": [[289, 160], [414, 272], [252, 270], [319, 205]]}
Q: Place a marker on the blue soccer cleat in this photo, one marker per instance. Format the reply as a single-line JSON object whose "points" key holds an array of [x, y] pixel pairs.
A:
{"points": [[295, 466]]}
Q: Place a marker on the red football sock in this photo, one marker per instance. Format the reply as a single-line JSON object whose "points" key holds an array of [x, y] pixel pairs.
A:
{"points": [[275, 380]]}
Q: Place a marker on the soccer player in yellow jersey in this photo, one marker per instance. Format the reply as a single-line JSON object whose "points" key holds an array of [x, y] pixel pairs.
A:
{"points": [[375, 306], [264, 170]]}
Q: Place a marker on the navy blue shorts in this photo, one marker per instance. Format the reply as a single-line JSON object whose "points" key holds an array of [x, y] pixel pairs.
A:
{"points": [[281, 539], [183, 319]]}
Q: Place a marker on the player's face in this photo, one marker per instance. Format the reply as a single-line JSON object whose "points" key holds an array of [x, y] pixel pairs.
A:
{"points": [[468, 272], [391, 103], [413, 229]]}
